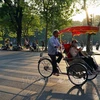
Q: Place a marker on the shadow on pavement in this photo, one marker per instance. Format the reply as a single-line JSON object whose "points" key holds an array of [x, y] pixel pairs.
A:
{"points": [[29, 96], [92, 90], [42, 90], [50, 95], [75, 93]]}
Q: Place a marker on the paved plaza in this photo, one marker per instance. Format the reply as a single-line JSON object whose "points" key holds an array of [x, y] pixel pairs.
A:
{"points": [[20, 80]]}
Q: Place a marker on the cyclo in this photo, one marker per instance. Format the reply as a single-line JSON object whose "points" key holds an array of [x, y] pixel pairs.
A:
{"points": [[77, 70]]}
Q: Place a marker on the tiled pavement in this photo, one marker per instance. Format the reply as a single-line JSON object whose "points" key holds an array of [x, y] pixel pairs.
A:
{"points": [[20, 80]]}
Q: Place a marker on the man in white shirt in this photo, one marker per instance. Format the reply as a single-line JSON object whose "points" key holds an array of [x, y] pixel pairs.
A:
{"points": [[53, 45]]}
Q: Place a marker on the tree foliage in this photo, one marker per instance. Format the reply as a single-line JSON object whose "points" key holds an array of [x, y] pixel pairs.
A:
{"points": [[14, 11], [31, 21], [55, 13], [39, 18]]}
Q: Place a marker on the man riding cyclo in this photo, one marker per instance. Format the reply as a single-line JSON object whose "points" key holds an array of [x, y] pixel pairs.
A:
{"points": [[53, 46]]}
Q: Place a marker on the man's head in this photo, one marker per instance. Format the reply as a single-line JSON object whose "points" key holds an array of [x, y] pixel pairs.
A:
{"points": [[74, 41], [55, 33]]}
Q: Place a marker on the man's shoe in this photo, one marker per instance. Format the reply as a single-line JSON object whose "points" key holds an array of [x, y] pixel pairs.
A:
{"points": [[56, 74]]}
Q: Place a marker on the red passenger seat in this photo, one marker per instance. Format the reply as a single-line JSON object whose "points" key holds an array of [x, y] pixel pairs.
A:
{"points": [[67, 48]]}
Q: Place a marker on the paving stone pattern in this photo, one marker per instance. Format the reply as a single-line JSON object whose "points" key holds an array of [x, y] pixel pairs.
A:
{"points": [[20, 80]]}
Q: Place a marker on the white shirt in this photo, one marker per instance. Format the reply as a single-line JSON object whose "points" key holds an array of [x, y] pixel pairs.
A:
{"points": [[73, 51], [53, 41]]}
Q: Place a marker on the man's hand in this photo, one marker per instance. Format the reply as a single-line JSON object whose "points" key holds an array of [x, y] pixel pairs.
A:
{"points": [[59, 47]]}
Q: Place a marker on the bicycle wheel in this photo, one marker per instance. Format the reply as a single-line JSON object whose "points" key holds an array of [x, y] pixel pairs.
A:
{"points": [[90, 71], [45, 67], [77, 74], [91, 75]]}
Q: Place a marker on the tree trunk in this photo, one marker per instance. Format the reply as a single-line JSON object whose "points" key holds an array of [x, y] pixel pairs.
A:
{"points": [[89, 35], [88, 43], [16, 17], [19, 37], [88, 23], [46, 32], [19, 29]]}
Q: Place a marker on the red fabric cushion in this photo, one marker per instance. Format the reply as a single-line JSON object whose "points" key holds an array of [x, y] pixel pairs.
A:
{"points": [[67, 48]]}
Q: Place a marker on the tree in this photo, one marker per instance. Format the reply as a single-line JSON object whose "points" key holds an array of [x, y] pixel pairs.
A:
{"points": [[15, 12], [85, 4], [20, 18], [55, 13], [31, 21], [89, 22], [4, 23]]}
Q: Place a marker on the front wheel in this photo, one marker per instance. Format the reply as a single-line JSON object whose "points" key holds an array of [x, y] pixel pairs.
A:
{"points": [[77, 74], [45, 67]]}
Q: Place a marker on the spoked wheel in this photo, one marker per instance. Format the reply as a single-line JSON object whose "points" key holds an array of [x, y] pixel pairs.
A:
{"points": [[77, 74], [91, 75], [45, 67]]}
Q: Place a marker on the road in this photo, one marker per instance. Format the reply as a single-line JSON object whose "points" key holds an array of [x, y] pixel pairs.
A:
{"points": [[20, 80]]}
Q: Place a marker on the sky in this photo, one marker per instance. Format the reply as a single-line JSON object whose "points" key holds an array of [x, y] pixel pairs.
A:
{"points": [[91, 10]]}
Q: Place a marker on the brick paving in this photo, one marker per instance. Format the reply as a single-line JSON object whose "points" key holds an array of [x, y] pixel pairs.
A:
{"points": [[20, 80]]}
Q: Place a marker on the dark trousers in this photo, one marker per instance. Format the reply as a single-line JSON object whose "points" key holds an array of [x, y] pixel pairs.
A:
{"points": [[55, 61]]}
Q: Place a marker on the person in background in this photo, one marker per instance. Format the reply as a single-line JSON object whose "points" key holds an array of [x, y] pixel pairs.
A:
{"points": [[37, 45], [34, 45], [53, 45], [77, 52], [27, 43], [97, 45], [11, 43], [42, 44]]}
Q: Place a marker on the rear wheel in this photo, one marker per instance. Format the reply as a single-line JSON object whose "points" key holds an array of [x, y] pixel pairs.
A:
{"points": [[45, 67], [77, 74], [91, 72], [91, 75]]}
